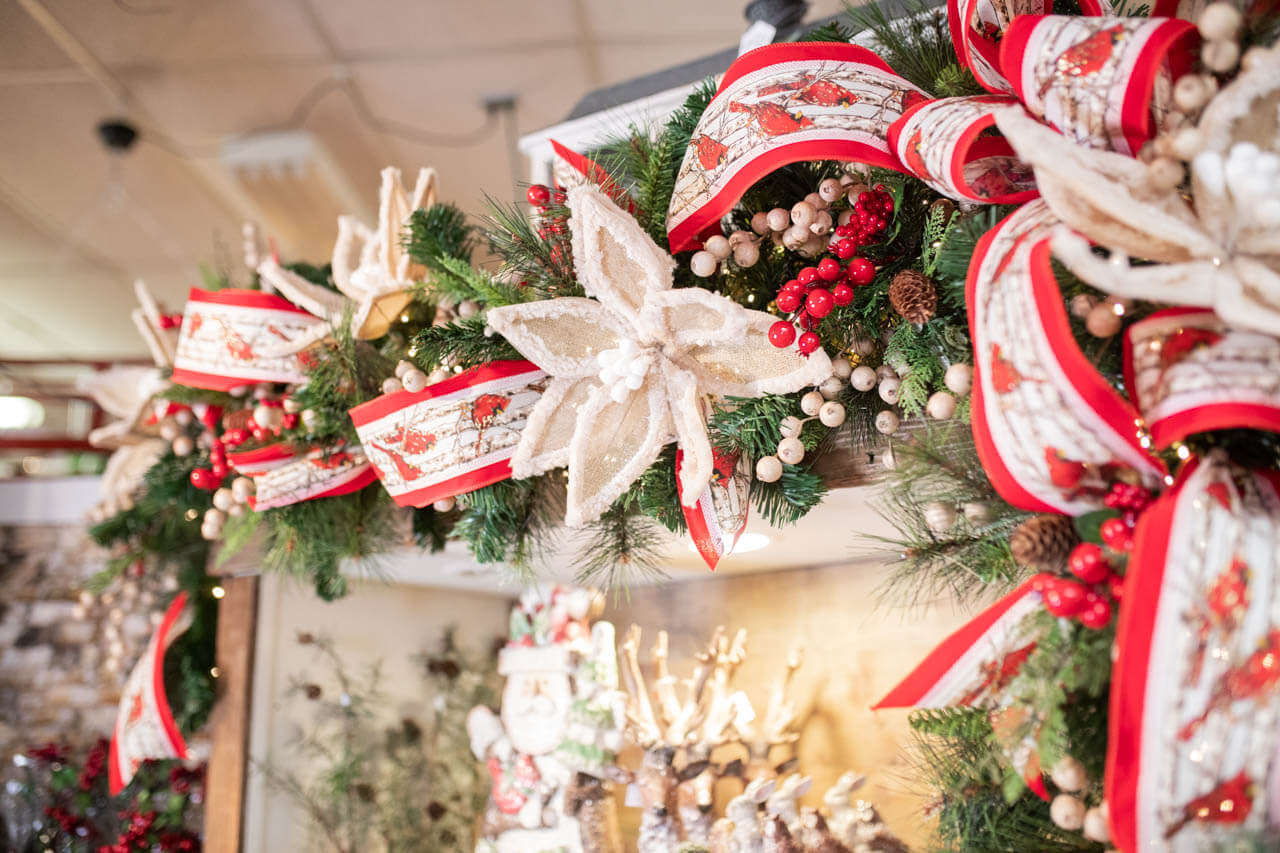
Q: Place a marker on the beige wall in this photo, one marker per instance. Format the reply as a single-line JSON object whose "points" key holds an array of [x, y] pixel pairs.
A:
{"points": [[855, 651], [377, 621]]}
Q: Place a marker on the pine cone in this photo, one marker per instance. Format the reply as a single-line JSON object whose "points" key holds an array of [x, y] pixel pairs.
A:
{"points": [[913, 296], [1044, 542]]}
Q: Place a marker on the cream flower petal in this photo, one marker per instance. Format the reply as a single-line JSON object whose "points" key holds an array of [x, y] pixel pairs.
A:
{"points": [[395, 207], [348, 251], [749, 366], [1191, 283], [615, 260], [692, 315], [1105, 196], [544, 442], [686, 403], [1251, 299], [320, 301], [562, 336], [612, 445]]}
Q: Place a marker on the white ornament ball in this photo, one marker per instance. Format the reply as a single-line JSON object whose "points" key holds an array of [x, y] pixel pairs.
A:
{"points": [[440, 374], [863, 378], [864, 346], [791, 451], [811, 402], [795, 237], [236, 510], [887, 422], [1082, 304], [1069, 775], [703, 264], [468, 308], [215, 516], [169, 430], [210, 532], [414, 380], [976, 513], [242, 488], [779, 219], [1187, 142], [958, 379], [746, 254], [760, 223], [403, 367], [718, 246], [310, 419], [445, 504], [768, 469], [1095, 824], [886, 371], [1191, 92], [224, 499], [1067, 812], [803, 214], [183, 445], [183, 417], [941, 405], [1220, 56], [821, 225], [831, 414], [1219, 22], [831, 387], [890, 388], [939, 517], [791, 425], [390, 385], [841, 368], [830, 190]]}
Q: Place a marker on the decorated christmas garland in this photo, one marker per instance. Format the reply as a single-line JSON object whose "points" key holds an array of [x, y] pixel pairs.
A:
{"points": [[1062, 228]]}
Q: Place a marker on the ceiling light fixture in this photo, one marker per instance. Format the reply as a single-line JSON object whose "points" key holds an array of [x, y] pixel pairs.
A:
{"points": [[747, 543]]}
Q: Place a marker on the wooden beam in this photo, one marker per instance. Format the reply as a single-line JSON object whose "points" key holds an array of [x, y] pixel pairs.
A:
{"points": [[229, 721]]}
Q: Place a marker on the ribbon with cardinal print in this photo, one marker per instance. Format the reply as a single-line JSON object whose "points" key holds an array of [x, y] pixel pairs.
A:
{"points": [[223, 332], [323, 472], [452, 437], [1193, 753], [1103, 81], [144, 728]]}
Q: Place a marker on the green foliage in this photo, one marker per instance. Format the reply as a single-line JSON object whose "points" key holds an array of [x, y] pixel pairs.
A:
{"points": [[188, 683], [321, 275], [657, 494], [619, 547], [439, 231], [917, 45], [511, 521], [832, 31], [340, 375], [311, 539], [188, 396], [431, 528], [462, 343], [972, 559], [540, 265]]}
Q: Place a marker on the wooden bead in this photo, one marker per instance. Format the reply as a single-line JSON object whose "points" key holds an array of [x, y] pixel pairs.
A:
{"points": [[768, 469], [779, 219], [941, 405], [887, 422], [791, 451], [811, 402], [890, 388], [958, 379]]}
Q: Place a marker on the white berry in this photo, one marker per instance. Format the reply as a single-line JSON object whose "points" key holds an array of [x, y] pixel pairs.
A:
{"points": [[958, 379], [703, 264], [811, 402], [863, 378], [803, 214], [939, 517], [890, 388], [183, 445], [414, 380], [831, 414], [841, 368], [791, 426], [887, 422], [1219, 21], [224, 499], [830, 190], [1095, 824], [746, 255], [242, 488], [718, 246], [403, 367], [390, 385], [941, 405], [445, 504], [468, 308], [976, 513], [760, 223], [779, 219], [791, 451], [831, 387], [768, 469], [1069, 775], [1067, 812]]}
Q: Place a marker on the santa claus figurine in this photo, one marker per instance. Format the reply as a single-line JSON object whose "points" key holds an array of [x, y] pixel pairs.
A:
{"points": [[558, 733]]}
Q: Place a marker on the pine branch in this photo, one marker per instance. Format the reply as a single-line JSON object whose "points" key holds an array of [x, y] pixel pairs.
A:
{"points": [[657, 495], [542, 265], [463, 343], [917, 45], [440, 231], [621, 547], [511, 521]]}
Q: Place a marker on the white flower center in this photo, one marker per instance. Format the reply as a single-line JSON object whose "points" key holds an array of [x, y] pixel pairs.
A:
{"points": [[1250, 175], [622, 369]]}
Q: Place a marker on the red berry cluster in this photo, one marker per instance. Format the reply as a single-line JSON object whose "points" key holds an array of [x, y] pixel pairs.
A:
{"points": [[50, 753], [134, 837], [1090, 595], [871, 214], [182, 780], [816, 291], [209, 479], [94, 764], [170, 321], [1131, 501], [63, 818]]}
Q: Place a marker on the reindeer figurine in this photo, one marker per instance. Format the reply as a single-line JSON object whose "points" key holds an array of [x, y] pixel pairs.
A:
{"points": [[859, 826], [661, 732], [777, 728]]}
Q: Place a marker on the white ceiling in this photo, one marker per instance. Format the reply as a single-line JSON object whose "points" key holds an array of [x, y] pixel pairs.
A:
{"points": [[193, 72]]}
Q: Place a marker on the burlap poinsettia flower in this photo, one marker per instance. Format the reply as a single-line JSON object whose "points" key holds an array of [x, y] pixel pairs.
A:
{"points": [[371, 268], [1221, 250], [636, 364]]}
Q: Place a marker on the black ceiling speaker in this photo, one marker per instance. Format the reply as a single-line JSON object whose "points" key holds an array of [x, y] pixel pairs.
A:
{"points": [[117, 134]]}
